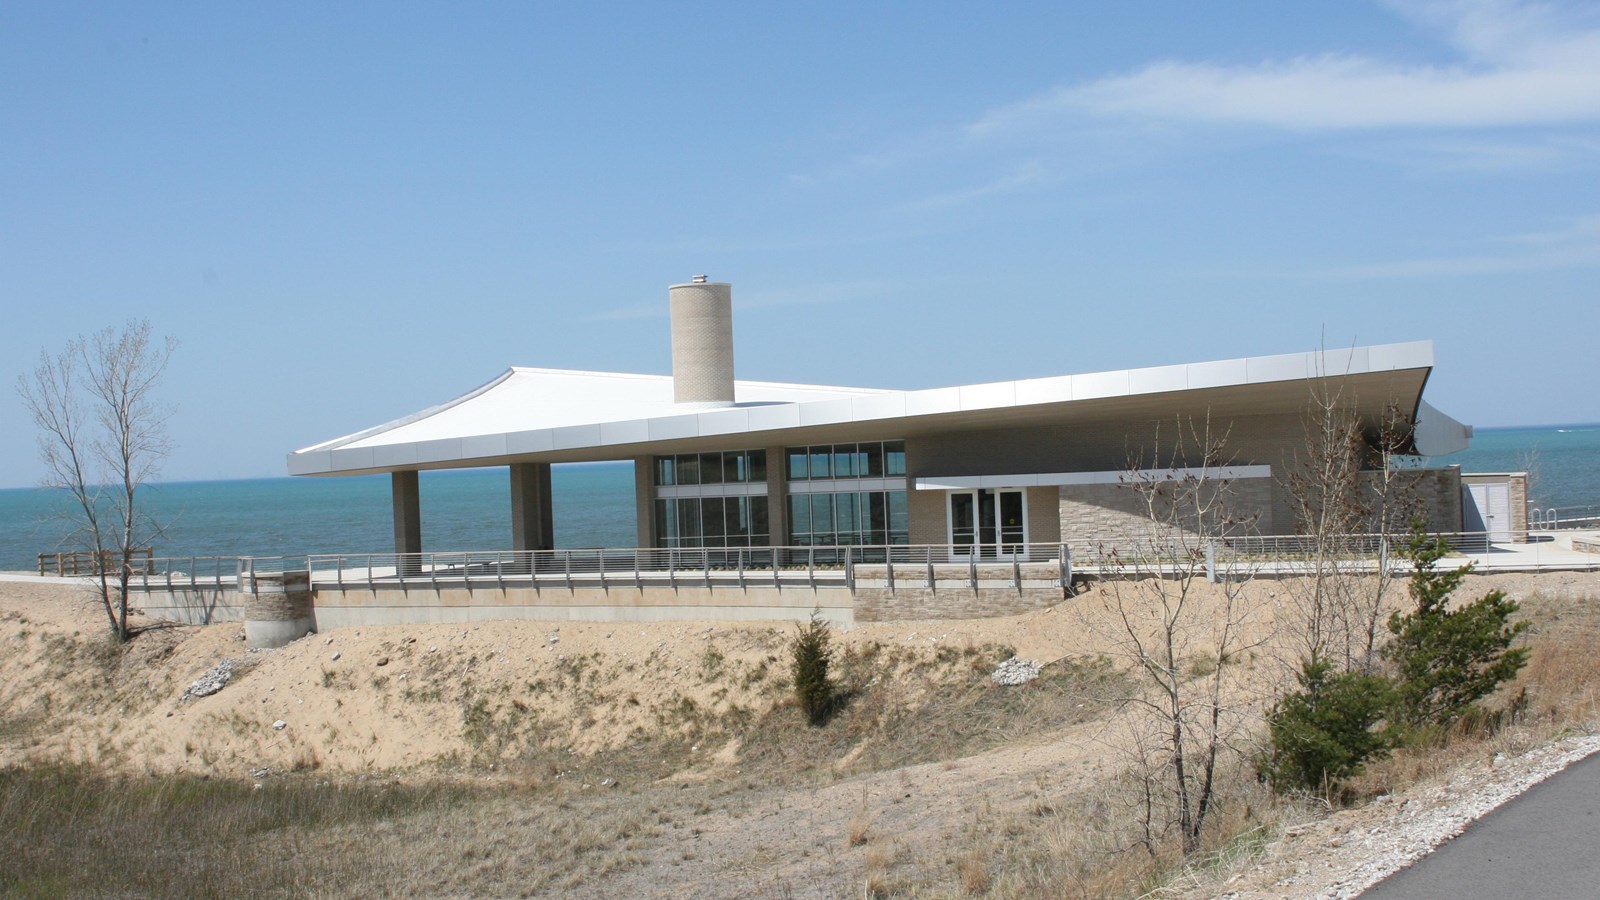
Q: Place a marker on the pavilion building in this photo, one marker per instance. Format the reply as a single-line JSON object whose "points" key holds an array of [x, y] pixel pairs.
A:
{"points": [[985, 470]]}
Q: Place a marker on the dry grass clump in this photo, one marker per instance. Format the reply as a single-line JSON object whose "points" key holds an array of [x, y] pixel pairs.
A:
{"points": [[902, 708], [74, 833]]}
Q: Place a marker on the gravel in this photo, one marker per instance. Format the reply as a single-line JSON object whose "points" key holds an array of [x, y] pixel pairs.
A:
{"points": [[1342, 855]]}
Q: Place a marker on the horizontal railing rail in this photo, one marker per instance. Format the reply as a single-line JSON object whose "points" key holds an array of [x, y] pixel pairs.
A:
{"points": [[1556, 518], [932, 566], [89, 562]]}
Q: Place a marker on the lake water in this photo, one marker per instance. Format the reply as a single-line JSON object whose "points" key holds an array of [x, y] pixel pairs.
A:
{"points": [[471, 509]]}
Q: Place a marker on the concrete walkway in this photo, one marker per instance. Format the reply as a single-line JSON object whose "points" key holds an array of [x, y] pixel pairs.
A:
{"points": [[1545, 843], [1544, 550]]}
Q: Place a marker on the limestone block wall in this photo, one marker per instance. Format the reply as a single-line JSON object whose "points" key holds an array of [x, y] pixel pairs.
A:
{"points": [[1435, 492], [929, 516], [1044, 515], [1116, 514]]}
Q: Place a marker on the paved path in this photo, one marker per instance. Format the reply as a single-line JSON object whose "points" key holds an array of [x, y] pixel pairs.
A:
{"points": [[1545, 843]]}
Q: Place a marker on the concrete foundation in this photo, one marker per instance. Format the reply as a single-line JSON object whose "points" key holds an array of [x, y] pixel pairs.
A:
{"points": [[278, 609], [391, 606]]}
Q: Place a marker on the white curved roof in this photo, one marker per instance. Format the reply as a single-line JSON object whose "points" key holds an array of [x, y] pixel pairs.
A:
{"points": [[560, 415]]}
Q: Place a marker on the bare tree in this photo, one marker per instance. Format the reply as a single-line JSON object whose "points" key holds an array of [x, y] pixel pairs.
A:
{"points": [[1181, 637], [102, 436], [1392, 504], [1349, 488]]}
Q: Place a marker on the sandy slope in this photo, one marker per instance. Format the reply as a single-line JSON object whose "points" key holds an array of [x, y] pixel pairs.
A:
{"points": [[425, 699]]}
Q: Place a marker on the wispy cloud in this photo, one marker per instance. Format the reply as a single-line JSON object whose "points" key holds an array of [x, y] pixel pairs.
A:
{"points": [[1519, 65], [1468, 153], [1575, 245], [1028, 175]]}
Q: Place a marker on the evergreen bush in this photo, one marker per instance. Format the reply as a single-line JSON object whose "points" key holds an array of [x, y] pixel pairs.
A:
{"points": [[813, 688], [1448, 659], [1325, 732]]}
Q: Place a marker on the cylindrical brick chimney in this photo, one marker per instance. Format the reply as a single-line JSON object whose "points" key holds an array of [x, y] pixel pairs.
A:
{"points": [[702, 343]]}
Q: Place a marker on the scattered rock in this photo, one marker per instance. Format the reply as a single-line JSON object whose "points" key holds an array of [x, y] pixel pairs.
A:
{"points": [[335, 656], [1015, 671], [211, 682], [279, 725], [383, 660]]}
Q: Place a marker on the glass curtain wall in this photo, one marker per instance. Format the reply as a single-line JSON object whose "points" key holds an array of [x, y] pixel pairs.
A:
{"points": [[717, 517], [835, 508]]}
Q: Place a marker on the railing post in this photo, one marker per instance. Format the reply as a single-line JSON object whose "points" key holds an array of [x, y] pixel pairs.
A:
{"points": [[811, 567], [741, 552], [1211, 561], [888, 568], [638, 575], [569, 569], [1066, 568], [849, 571], [705, 564], [972, 568]]}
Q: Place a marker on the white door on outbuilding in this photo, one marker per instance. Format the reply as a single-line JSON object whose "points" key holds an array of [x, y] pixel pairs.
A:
{"points": [[1487, 508]]}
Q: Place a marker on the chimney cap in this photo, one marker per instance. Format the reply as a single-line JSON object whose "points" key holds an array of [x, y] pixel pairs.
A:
{"points": [[698, 279]]}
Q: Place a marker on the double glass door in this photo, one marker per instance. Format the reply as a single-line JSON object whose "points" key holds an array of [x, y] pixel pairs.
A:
{"points": [[988, 524]]}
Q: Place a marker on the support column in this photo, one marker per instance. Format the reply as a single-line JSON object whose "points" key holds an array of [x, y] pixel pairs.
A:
{"points": [[644, 499], [777, 496], [532, 522], [407, 518]]}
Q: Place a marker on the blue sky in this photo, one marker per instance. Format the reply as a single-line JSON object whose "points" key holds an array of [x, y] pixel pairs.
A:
{"points": [[347, 212]]}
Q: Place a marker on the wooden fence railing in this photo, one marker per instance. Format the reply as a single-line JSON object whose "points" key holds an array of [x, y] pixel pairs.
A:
{"points": [[87, 562]]}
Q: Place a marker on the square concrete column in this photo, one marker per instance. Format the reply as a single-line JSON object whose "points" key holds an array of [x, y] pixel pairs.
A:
{"points": [[778, 496], [407, 518], [532, 522], [644, 499]]}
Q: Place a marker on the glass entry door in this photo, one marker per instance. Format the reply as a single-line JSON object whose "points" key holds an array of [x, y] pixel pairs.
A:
{"points": [[988, 524]]}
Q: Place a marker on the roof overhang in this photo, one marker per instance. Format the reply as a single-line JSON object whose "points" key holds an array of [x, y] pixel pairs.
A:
{"points": [[536, 415]]}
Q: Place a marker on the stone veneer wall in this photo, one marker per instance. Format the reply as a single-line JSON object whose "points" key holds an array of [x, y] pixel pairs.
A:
{"points": [[1044, 515], [1437, 492], [909, 604], [929, 517], [1116, 515]]}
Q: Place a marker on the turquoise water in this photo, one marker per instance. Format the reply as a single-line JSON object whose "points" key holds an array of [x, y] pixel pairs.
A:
{"points": [[1563, 460], [471, 509], [466, 509]]}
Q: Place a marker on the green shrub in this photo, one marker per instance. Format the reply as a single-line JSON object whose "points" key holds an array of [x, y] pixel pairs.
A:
{"points": [[813, 688], [1325, 732], [1449, 659]]}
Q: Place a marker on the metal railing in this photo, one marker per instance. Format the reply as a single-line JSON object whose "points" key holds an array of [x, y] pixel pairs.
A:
{"points": [[810, 567], [931, 566], [1556, 518]]}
